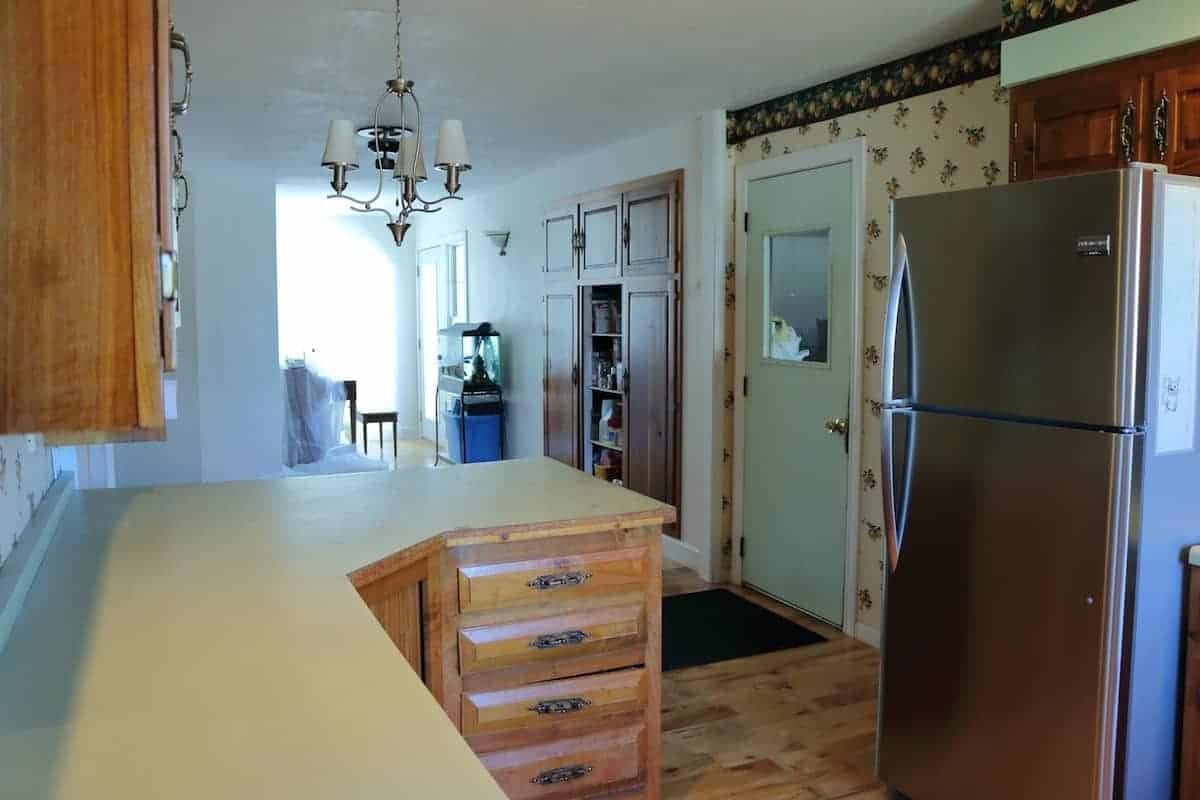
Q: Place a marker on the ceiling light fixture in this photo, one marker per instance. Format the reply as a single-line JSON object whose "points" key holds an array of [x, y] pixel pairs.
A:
{"points": [[408, 167]]}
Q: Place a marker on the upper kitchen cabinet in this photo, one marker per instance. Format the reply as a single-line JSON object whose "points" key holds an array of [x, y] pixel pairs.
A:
{"points": [[650, 227], [1176, 118], [85, 237], [1141, 109], [561, 241], [1078, 123], [600, 231]]}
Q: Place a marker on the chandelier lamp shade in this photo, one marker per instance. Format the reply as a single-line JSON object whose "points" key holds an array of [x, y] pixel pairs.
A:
{"points": [[451, 158]]}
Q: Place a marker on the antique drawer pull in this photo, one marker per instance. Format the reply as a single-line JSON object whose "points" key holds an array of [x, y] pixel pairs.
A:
{"points": [[544, 582], [561, 775], [552, 640], [564, 706]]}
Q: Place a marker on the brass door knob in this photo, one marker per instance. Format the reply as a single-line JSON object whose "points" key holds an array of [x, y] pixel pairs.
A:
{"points": [[838, 425]]}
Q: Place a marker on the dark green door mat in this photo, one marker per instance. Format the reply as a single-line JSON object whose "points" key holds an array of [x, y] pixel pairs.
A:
{"points": [[717, 625]]}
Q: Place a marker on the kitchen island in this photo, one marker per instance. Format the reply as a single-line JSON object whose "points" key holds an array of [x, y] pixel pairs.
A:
{"points": [[328, 637]]}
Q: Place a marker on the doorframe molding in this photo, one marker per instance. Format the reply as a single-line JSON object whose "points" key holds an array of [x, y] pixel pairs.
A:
{"points": [[854, 153]]}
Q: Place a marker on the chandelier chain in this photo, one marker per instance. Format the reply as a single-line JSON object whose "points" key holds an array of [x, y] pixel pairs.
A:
{"points": [[399, 66]]}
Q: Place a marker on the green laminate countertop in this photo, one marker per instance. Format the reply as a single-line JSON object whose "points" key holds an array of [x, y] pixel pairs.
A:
{"points": [[203, 641]]}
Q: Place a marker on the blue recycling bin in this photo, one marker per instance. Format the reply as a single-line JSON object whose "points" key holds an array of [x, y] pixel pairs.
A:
{"points": [[483, 432]]}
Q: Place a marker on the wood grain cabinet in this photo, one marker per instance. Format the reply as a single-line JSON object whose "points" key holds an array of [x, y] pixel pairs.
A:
{"points": [[84, 218], [545, 652], [1141, 109], [612, 345]]}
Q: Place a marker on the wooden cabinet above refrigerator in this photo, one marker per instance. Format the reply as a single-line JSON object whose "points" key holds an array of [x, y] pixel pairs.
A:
{"points": [[1141, 109]]}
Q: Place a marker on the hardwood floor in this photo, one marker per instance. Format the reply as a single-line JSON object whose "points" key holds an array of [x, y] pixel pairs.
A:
{"points": [[794, 724]]}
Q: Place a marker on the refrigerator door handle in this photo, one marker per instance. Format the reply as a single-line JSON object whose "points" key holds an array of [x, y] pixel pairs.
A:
{"points": [[894, 512], [899, 293]]}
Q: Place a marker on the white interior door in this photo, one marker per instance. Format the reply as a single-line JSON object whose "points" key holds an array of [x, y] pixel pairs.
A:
{"points": [[429, 267], [798, 362]]}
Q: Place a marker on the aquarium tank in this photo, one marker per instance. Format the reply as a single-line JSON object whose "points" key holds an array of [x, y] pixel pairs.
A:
{"points": [[469, 354]]}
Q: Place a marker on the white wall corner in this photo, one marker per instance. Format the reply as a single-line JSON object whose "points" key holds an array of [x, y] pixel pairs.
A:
{"points": [[685, 554], [867, 635]]}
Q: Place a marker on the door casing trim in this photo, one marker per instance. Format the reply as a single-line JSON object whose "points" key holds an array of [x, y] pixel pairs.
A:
{"points": [[854, 153]]}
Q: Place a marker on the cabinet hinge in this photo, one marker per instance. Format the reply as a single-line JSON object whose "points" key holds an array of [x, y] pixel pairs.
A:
{"points": [[746, 222]]}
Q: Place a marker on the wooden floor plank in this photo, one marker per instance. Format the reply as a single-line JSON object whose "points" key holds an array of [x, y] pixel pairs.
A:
{"points": [[795, 725]]}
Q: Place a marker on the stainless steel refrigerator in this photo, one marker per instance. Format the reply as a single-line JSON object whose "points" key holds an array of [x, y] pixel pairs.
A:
{"points": [[1041, 482]]}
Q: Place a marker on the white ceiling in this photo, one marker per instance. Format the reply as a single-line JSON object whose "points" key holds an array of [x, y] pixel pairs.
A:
{"points": [[532, 80]]}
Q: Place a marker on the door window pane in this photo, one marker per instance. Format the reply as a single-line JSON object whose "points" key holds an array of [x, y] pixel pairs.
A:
{"points": [[796, 322]]}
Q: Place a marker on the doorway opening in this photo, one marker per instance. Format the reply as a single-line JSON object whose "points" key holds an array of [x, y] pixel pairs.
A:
{"points": [[798, 423], [441, 302]]}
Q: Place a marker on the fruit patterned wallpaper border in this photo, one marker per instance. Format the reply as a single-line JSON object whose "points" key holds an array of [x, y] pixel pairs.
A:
{"points": [[955, 138], [24, 478], [967, 60], [1019, 17]]}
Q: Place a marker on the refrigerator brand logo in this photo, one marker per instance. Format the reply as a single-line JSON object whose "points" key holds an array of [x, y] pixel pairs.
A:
{"points": [[1093, 246]]}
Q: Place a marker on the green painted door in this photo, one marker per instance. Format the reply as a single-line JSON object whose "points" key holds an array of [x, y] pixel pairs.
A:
{"points": [[797, 355]]}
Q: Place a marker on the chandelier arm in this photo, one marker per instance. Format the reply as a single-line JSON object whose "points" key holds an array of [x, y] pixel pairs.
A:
{"points": [[383, 211]]}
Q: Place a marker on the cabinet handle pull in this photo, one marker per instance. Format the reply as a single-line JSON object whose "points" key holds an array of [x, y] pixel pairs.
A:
{"points": [[1127, 131], [1162, 116], [543, 582], [565, 706], [552, 777], [179, 42], [552, 640]]}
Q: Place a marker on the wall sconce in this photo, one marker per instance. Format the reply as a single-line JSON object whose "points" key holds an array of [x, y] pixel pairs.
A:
{"points": [[500, 239]]}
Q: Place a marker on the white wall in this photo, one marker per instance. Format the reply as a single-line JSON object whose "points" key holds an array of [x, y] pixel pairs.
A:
{"points": [[230, 402], [347, 299], [177, 460], [506, 291]]}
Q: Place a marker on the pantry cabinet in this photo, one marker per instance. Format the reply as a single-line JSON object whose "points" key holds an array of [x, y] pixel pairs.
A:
{"points": [[560, 409], [86, 228], [1141, 109], [611, 403]]}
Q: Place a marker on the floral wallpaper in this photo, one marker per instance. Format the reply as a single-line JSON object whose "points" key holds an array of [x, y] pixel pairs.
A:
{"points": [[971, 59], [949, 139], [24, 478], [1019, 17]]}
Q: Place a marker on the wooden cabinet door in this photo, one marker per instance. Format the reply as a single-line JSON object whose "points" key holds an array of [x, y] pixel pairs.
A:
{"points": [[1175, 119], [80, 281], [650, 230], [560, 417], [1083, 122], [600, 224], [559, 235], [650, 345]]}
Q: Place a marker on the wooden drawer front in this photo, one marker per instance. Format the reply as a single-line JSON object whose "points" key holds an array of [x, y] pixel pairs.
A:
{"points": [[566, 636], [569, 767], [490, 586], [548, 703]]}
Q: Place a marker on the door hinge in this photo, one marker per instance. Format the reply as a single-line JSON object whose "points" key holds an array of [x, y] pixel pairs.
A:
{"points": [[1015, 169], [746, 386], [625, 233], [582, 240], [1015, 131], [746, 222], [742, 546], [575, 375]]}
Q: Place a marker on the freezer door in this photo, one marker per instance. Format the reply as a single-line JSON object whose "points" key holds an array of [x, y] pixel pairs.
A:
{"points": [[1020, 307], [1002, 613]]}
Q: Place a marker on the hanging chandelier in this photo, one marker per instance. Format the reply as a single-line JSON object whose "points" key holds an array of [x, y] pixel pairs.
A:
{"points": [[408, 167]]}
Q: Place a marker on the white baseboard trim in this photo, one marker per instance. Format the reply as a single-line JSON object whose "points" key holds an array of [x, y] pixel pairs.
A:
{"points": [[26, 558], [683, 553], [866, 634]]}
